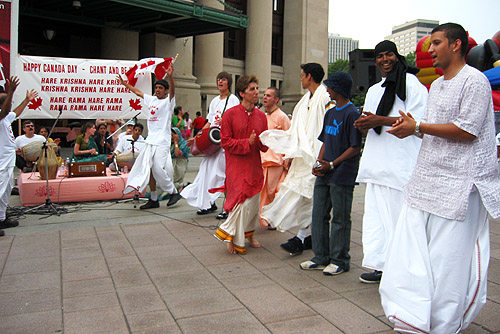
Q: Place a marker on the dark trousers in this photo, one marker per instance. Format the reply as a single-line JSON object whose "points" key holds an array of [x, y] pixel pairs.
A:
{"points": [[331, 241]]}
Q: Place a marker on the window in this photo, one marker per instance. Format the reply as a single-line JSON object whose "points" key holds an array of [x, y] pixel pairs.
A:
{"points": [[235, 40], [277, 37]]}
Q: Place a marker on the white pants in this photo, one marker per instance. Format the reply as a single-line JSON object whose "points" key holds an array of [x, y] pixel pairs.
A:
{"points": [[6, 185], [153, 158], [435, 273], [382, 208]]}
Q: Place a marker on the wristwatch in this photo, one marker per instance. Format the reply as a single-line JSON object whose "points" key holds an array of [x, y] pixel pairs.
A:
{"points": [[332, 167], [417, 130]]}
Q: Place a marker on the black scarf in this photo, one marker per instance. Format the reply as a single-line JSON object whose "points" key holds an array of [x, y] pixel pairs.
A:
{"points": [[395, 82]]}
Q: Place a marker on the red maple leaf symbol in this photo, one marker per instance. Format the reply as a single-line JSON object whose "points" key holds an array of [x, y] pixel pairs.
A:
{"points": [[152, 112], [135, 104], [35, 104]]}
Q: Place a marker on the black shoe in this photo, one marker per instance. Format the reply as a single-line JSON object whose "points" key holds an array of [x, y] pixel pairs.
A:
{"points": [[202, 212], [222, 215], [2, 233], [8, 222], [212, 208], [14, 191], [371, 278], [174, 199], [293, 246], [308, 242], [150, 205]]}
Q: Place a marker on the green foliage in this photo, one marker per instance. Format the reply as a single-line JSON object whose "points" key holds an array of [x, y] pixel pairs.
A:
{"points": [[339, 65], [358, 99], [410, 58]]}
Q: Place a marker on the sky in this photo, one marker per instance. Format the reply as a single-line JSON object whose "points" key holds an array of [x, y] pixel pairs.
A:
{"points": [[369, 21]]}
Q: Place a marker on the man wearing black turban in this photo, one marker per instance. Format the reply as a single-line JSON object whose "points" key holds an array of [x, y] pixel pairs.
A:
{"points": [[386, 164]]}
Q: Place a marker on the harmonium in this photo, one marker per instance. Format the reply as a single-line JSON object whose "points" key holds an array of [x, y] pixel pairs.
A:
{"points": [[94, 168]]}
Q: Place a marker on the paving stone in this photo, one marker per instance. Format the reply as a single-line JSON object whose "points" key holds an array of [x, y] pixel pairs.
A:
{"points": [[187, 304], [81, 233], [87, 287], [170, 265], [291, 279], [144, 240], [117, 249], [315, 294], [250, 281], [84, 268], [240, 321], [34, 251], [489, 317], [90, 302], [188, 281], [30, 281], [262, 259], [201, 240], [91, 242], [37, 322], [111, 235], [20, 266], [161, 251], [272, 303], [214, 254], [95, 321], [313, 324], [173, 329], [30, 301], [129, 275], [337, 311], [233, 270], [5, 243], [79, 253], [150, 320], [145, 228], [140, 299], [367, 298]]}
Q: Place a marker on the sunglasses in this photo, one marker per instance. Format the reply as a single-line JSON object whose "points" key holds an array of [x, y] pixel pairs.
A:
{"points": [[29, 126]]}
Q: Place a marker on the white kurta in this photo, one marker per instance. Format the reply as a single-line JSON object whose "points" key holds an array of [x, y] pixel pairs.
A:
{"points": [[292, 206], [385, 172], [7, 161], [212, 171]]}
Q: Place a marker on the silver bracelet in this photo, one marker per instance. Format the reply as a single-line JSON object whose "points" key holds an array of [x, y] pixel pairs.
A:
{"points": [[417, 130], [332, 167]]}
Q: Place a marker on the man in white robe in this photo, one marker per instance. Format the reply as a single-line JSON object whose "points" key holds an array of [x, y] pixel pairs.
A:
{"points": [[292, 206]]}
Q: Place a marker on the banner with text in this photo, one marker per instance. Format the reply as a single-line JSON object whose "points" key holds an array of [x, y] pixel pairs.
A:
{"points": [[80, 88]]}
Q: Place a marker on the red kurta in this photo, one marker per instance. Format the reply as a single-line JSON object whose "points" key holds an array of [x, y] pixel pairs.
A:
{"points": [[244, 177]]}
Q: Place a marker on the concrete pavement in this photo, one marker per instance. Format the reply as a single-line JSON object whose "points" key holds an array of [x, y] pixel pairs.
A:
{"points": [[109, 268]]}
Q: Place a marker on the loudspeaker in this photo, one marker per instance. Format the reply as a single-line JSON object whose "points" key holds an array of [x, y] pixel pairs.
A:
{"points": [[363, 70]]}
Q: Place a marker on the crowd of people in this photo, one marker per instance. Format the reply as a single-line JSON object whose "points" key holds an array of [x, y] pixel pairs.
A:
{"points": [[429, 164]]}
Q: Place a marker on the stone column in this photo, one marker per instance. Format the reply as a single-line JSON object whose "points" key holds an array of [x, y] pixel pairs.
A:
{"points": [[259, 39], [119, 44]]}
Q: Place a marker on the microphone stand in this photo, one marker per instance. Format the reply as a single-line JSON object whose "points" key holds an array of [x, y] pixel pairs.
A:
{"points": [[49, 206], [136, 198], [121, 127]]}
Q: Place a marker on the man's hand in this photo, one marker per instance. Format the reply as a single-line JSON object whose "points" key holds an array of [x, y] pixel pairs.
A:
{"points": [[13, 82], [31, 95], [251, 140], [119, 77], [93, 151], [325, 167], [57, 141], [170, 70], [366, 121], [404, 126]]}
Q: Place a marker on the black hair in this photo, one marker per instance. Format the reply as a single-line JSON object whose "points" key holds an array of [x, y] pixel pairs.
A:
{"points": [[139, 125], [177, 109], [454, 31], [86, 126], [26, 122], [198, 113], [227, 76], [163, 83], [315, 70]]}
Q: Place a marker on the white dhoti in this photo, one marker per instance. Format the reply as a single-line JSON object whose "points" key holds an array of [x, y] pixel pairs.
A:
{"points": [[435, 273], [156, 159], [6, 185], [382, 208], [288, 210], [212, 174], [240, 223]]}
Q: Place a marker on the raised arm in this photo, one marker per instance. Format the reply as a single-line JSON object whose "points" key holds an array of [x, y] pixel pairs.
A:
{"points": [[170, 72], [134, 90], [12, 83], [30, 96]]}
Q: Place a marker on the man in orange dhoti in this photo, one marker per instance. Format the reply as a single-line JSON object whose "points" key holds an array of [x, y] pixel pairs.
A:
{"points": [[273, 164]]}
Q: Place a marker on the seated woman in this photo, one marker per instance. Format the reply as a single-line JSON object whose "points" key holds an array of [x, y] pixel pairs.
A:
{"points": [[85, 149], [45, 132], [104, 146]]}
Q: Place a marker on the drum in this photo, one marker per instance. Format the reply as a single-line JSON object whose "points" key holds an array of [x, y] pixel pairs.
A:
{"points": [[32, 151], [52, 164], [206, 142], [126, 159]]}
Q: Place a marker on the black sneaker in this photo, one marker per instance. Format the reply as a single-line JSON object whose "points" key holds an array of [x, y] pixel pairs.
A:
{"points": [[212, 208], [293, 246], [308, 242], [2, 233], [8, 222], [150, 205], [14, 191], [371, 278], [222, 215], [174, 199]]}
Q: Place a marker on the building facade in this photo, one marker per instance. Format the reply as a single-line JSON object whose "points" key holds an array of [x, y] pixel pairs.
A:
{"points": [[407, 35], [339, 47]]}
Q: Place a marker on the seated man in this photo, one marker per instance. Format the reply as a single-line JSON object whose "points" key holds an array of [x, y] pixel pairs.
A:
{"points": [[123, 150], [25, 161]]}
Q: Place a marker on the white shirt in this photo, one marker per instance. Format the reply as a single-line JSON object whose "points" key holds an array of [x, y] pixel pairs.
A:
{"points": [[498, 139], [387, 160], [447, 171], [159, 115], [216, 108], [125, 146], [23, 140], [7, 140]]}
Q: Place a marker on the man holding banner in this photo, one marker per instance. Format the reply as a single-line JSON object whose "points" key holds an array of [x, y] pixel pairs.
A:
{"points": [[155, 157]]}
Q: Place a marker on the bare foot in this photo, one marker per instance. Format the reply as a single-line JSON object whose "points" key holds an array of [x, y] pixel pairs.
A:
{"points": [[263, 223], [253, 242], [230, 248]]}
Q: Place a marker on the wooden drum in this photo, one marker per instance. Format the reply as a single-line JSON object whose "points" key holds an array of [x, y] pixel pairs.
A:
{"points": [[207, 142]]}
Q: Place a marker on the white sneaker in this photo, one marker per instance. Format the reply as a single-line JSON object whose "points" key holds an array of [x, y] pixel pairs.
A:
{"points": [[309, 265], [332, 269]]}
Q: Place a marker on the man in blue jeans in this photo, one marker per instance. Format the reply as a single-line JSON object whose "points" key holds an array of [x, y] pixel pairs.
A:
{"points": [[336, 169]]}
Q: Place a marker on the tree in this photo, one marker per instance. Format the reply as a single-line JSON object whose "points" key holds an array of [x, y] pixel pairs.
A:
{"points": [[358, 99], [339, 65], [410, 58]]}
